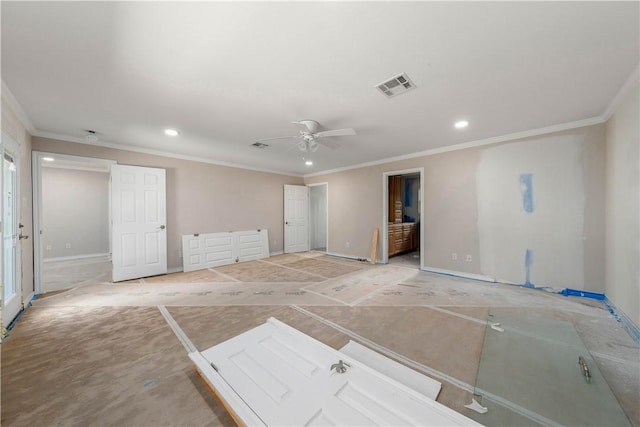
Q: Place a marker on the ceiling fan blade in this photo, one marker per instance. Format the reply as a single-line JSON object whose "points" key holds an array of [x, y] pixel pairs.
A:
{"points": [[337, 132], [330, 144], [278, 137]]}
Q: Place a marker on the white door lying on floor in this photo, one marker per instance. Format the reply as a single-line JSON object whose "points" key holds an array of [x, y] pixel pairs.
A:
{"points": [[296, 218], [280, 376], [138, 200]]}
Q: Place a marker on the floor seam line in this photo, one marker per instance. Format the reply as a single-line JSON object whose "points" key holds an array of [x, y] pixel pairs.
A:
{"points": [[177, 330], [388, 352], [295, 269]]}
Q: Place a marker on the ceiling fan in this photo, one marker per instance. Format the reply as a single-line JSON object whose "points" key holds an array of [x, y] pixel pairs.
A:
{"points": [[309, 136]]}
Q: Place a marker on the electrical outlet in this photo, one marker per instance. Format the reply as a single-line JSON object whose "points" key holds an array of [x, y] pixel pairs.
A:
{"points": [[48, 247], [179, 253], [454, 256], [67, 245], [347, 244], [468, 258]]}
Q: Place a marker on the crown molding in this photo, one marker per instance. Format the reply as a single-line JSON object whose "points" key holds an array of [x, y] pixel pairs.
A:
{"points": [[17, 108], [630, 84], [125, 147], [471, 144]]}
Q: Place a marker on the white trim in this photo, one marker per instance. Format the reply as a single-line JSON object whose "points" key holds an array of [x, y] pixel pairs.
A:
{"points": [[154, 152], [174, 270], [28, 299], [629, 84], [75, 257], [17, 108], [472, 276], [355, 258], [276, 253], [477, 143]]}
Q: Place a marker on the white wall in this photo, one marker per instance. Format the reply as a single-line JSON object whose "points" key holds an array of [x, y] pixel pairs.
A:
{"points": [[623, 208], [531, 204], [75, 212]]}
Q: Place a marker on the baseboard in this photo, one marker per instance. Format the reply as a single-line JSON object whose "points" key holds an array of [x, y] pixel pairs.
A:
{"points": [[631, 327], [333, 254], [276, 253], [462, 274], [74, 257], [26, 301], [174, 270]]}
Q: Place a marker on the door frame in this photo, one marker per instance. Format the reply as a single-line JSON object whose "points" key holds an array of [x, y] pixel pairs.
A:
{"points": [[12, 148], [326, 207], [38, 250], [385, 211]]}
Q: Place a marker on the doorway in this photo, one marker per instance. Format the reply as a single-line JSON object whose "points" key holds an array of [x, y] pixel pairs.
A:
{"points": [[403, 216], [72, 219], [318, 217]]}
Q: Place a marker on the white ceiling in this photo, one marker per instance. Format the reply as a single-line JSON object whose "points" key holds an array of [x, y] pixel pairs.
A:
{"points": [[228, 73]]}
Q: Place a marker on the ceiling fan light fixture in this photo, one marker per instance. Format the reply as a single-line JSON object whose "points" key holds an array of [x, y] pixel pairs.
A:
{"points": [[313, 146]]}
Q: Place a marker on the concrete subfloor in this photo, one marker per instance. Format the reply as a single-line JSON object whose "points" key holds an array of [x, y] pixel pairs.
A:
{"points": [[102, 354]]}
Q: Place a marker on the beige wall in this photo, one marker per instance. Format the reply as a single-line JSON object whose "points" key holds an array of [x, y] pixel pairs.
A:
{"points": [[623, 208], [75, 212], [452, 223], [12, 127], [201, 197]]}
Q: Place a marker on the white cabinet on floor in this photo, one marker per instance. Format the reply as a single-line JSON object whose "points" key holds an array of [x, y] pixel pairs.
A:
{"points": [[200, 251]]}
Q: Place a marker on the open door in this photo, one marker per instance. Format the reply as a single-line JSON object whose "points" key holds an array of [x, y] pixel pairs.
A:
{"points": [[139, 234], [11, 273], [296, 218]]}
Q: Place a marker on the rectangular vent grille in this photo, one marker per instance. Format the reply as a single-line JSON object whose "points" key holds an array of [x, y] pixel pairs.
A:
{"points": [[260, 145], [395, 86]]}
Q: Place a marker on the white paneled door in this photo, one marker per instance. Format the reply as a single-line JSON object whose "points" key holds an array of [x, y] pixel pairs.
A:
{"points": [[11, 272], [287, 378], [296, 218], [139, 233]]}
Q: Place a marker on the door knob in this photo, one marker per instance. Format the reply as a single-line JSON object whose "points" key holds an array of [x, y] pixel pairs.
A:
{"points": [[162, 227], [22, 237]]}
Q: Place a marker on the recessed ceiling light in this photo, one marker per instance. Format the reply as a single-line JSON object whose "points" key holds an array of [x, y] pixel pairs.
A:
{"points": [[48, 159], [171, 132], [308, 163], [461, 124]]}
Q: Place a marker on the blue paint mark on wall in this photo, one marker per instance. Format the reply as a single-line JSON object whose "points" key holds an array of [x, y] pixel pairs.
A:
{"points": [[528, 259], [526, 186]]}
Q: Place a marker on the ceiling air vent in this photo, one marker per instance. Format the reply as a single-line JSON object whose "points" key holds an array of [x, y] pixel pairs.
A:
{"points": [[260, 145], [397, 85]]}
